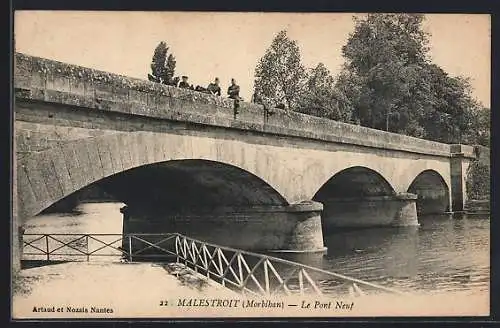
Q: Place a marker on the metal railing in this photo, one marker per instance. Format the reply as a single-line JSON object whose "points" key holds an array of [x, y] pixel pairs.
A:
{"points": [[78, 247], [246, 272]]}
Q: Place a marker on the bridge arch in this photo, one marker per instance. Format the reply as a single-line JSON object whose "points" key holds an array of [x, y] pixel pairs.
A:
{"points": [[433, 195], [355, 197], [46, 177], [352, 182]]}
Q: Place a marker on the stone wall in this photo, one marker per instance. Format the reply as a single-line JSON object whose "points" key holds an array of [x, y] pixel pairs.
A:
{"points": [[369, 212], [38, 79]]}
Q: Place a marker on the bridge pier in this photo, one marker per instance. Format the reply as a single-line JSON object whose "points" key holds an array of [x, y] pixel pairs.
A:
{"points": [[289, 228], [461, 157], [357, 212]]}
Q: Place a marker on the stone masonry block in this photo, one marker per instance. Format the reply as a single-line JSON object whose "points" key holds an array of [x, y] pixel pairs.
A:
{"points": [[26, 196], [133, 148], [49, 172], [57, 157], [113, 147], [149, 145], [77, 87], [31, 164], [105, 155], [85, 165], [95, 159], [123, 142]]}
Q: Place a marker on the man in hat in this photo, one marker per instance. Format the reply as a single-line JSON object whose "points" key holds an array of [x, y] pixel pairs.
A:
{"points": [[184, 83], [234, 93], [214, 87]]}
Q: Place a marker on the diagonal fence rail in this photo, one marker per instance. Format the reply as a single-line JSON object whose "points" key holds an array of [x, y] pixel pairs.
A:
{"points": [[246, 272]]}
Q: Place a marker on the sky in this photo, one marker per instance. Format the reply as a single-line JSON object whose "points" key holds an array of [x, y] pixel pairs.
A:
{"points": [[229, 45]]}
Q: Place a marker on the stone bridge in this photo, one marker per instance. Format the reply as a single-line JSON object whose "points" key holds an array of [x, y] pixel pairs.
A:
{"points": [[183, 161]]}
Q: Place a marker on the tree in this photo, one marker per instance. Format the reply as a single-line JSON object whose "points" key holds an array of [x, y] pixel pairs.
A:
{"points": [[383, 72], [279, 75], [162, 67], [478, 181], [482, 127], [388, 82], [319, 97], [454, 114]]}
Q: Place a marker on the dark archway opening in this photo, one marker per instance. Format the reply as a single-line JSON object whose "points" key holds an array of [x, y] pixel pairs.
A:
{"points": [[432, 192], [355, 197], [183, 184], [176, 185], [354, 182]]}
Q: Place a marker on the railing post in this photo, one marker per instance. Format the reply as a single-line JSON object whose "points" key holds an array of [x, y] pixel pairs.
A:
{"points": [[47, 246], [207, 265], [301, 282], [240, 272], [130, 248], [195, 256], [177, 248], [357, 289], [87, 242], [186, 254], [223, 272], [266, 277]]}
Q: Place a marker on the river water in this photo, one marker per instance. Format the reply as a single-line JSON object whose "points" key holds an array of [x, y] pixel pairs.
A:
{"points": [[443, 254]]}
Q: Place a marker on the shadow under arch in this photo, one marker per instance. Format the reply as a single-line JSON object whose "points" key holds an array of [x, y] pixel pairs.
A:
{"points": [[356, 197], [355, 181], [178, 184], [182, 184], [433, 196]]}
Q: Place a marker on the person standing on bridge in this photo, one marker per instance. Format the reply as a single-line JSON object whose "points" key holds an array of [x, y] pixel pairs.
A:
{"points": [[234, 93], [184, 83], [214, 87]]}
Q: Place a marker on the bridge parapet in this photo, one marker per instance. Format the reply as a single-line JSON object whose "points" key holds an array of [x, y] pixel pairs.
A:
{"points": [[39, 79], [463, 151]]}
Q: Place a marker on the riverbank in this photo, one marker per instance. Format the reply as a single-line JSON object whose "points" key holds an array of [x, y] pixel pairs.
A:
{"points": [[125, 290], [477, 206]]}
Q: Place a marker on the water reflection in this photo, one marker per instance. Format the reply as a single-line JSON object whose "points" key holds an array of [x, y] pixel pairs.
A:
{"points": [[444, 253], [85, 218], [312, 259]]}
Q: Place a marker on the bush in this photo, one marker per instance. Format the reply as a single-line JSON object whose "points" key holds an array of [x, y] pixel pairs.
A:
{"points": [[478, 181]]}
